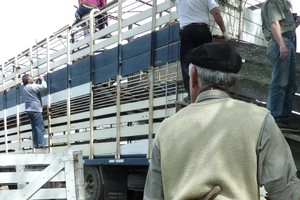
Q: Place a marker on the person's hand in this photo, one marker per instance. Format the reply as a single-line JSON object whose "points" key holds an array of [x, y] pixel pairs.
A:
{"points": [[284, 52], [226, 36], [41, 78]]}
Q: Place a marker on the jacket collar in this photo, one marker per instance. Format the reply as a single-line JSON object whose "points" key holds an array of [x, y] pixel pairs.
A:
{"points": [[211, 94]]}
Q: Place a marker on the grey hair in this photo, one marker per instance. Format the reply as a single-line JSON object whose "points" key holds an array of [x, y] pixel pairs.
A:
{"points": [[209, 79]]}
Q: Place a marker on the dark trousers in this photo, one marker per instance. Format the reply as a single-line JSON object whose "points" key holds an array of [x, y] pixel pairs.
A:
{"points": [[191, 36]]}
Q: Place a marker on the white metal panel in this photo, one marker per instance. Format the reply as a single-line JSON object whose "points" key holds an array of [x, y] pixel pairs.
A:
{"points": [[26, 176], [137, 147], [107, 148], [50, 193], [26, 159], [56, 164], [58, 96], [80, 90]]}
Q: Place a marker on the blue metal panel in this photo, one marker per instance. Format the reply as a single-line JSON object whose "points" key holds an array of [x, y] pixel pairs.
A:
{"points": [[136, 64], [58, 80], [166, 36], [105, 58], [104, 73], [174, 33], [1, 102], [136, 47], [166, 54], [21, 88], [80, 72], [11, 97], [134, 161]]}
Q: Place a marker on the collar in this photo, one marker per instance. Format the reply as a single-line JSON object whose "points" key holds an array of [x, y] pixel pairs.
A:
{"points": [[211, 94]]}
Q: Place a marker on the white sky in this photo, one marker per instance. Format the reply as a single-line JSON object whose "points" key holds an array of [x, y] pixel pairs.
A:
{"points": [[24, 21]]}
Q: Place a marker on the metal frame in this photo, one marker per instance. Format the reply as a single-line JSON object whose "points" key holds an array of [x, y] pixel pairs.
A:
{"points": [[59, 168]]}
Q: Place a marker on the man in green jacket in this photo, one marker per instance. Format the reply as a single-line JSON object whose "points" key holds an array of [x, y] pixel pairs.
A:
{"points": [[217, 147]]}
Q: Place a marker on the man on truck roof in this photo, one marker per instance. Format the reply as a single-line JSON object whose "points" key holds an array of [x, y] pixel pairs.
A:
{"points": [[218, 147]]}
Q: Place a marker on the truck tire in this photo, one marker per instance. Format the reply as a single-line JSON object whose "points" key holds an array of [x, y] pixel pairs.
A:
{"points": [[93, 183]]}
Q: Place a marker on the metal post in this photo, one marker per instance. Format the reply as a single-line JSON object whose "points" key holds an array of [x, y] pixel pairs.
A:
{"points": [[5, 111], [79, 175], [68, 89], [48, 97], [151, 80], [16, 70], [31, 61], [151, 102], [91, 29], [118, 106], [241, 11]]}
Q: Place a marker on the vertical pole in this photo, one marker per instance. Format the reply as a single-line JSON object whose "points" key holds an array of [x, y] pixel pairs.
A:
{"points": [[91, 111], [31, 61], [240, 28], [68, 159], [68, 89], [49, 118], [118, 106], [16, 70], [5, 111], [79, 175], [91, 28], [151, 79]]}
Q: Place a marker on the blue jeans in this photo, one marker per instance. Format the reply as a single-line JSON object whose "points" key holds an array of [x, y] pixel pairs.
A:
{"points": [[37, 126], [283, 82]]}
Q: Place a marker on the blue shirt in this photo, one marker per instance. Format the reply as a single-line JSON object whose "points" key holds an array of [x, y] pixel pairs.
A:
{"points": [[32, 98]]}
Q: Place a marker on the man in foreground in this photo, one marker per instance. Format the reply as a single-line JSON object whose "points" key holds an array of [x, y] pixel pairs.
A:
{"points": [[218, 147]]}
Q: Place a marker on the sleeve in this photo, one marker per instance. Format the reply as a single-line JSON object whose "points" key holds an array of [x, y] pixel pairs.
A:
{"points": [[153, 186], [276, 167], [39, 87], [212, 4], [275, 11]]}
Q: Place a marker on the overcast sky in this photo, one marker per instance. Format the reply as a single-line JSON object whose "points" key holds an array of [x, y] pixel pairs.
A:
{"points": [[24, 21]]}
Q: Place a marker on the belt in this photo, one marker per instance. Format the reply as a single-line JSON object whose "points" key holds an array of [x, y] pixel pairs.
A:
{"points": [[195, 24], [289, 35]]}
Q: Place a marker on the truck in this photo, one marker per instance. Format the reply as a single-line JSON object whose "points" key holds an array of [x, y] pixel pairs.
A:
{"points": [[110, 88]]}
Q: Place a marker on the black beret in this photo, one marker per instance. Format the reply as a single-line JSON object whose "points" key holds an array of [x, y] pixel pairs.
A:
{"points": [[216, 56]]}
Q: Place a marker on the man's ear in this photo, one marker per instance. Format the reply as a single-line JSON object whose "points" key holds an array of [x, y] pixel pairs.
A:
{"points": [[194, 78]]}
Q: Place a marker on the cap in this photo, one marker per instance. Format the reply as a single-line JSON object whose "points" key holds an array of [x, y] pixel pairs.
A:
{"points": [[216, 56]]}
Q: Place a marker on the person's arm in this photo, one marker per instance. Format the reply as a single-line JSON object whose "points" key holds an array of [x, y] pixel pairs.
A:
{"points": [[39, 87], [276, 31], [276, 167], [215, 12], [153, 186]]}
